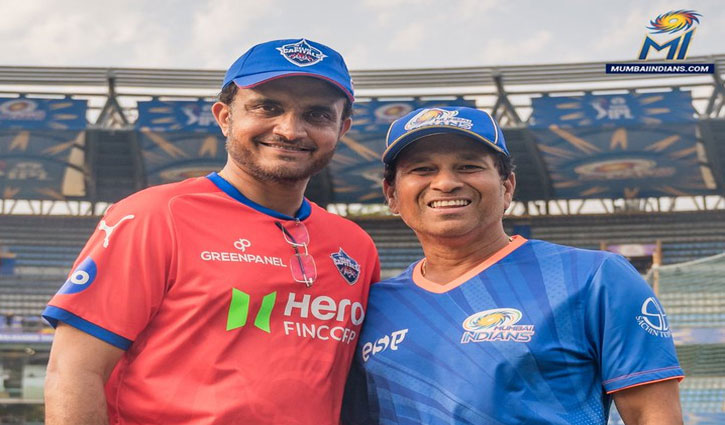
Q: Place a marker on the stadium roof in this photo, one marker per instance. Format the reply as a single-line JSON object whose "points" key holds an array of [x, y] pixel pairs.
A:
{"points": [[506, 91]]}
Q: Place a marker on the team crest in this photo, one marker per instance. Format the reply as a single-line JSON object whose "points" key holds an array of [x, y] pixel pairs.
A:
{"points": [[347, 266], [301, 53], [498, 324], [433, 116]]}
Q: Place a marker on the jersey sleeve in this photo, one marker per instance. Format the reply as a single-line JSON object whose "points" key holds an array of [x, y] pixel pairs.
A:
{"points": [[120, 277], [628, 328]]}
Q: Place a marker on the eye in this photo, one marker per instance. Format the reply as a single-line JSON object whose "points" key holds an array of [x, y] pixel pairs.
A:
{"points": [[319, 116], [269, 108], [421, 169], [266, 108], [471, 167]]}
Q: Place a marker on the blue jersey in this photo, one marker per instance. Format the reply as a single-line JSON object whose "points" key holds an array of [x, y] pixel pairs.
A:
{"points": [[537, 334]]}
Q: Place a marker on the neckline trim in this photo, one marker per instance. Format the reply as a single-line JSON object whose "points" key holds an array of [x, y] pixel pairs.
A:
{"points": [[437, 288], [302, 213]]}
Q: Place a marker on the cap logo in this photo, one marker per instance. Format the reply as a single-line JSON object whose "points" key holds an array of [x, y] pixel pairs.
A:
{"points": [[301, 53], [435, 116]]}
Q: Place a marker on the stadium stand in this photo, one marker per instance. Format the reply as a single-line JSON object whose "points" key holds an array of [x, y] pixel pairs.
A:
{"points": [[681, 240], [115, 155]]}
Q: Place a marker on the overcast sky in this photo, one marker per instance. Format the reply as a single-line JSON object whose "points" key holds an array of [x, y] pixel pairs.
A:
{"points": [[371, 34]]}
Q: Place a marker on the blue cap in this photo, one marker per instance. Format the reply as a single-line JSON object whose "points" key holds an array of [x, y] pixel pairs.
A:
{"points": [[473, 123], [287, 58]]}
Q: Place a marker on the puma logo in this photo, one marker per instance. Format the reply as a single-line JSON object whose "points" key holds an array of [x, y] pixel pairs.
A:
{"points": [[109, 229]]}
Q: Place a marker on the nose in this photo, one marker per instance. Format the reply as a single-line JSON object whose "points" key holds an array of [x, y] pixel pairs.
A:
{"points": [[446, 180], [290, 126]]}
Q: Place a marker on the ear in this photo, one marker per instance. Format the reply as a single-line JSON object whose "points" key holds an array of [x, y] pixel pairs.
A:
{"points": [[390, 197], [222, 113], [345, 127], [509, 186]]}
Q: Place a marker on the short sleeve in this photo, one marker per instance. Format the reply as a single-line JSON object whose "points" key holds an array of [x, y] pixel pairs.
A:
{"points": [[628, 328], [120, 277]]}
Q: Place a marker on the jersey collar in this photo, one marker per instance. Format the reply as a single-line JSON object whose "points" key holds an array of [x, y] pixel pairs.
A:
{"points": [[302, 213], [428, 285]]}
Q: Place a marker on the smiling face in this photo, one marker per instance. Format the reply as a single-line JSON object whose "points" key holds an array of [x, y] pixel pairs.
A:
{"points": [[448, 186], [284, 130]]}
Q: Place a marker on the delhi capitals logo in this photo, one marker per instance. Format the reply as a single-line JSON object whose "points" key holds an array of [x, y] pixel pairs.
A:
{"points": [[347, 266], [301, 53]]}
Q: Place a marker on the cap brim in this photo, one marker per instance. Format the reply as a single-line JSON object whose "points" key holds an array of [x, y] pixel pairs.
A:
{"points": [[406, 139], [254, 80]]}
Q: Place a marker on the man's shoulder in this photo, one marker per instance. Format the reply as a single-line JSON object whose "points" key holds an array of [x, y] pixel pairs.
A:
{"points": [[544, 247], [162, 194], [595, 267], [402, 280], [340, 225]]}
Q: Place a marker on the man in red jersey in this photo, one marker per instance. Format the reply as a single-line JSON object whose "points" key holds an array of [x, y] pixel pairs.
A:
{"points": [[230, 298]]}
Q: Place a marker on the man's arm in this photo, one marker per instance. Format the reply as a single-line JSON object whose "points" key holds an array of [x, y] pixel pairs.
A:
{"points": [[656, 404], [78, 368]]}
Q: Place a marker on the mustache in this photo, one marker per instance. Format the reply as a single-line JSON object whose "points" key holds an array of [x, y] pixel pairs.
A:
{"points": [[278, 140]]}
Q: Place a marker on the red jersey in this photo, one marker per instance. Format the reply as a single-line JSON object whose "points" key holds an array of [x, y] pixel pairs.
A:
{"points": [[195, 282]]}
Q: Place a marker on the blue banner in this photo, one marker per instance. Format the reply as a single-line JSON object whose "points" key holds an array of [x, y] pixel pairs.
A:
{"points": [[621, 146], [612, 110], [42, 164], [179, 139], [57, 114], [174, 156], [158, 116], [356, 168]]}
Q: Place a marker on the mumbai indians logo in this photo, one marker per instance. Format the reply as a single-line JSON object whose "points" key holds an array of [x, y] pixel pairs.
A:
{"points": [[21, 109], [498, 324], [301, 53], [347, 266], [671, 23], [434, 116]]}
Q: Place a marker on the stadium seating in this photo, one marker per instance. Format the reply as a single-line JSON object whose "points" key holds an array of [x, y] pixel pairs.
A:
{"points": [[681, 241]]}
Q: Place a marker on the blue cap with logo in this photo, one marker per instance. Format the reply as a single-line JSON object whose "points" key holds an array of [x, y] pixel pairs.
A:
{"points": [[287, 58], [473, 123]]}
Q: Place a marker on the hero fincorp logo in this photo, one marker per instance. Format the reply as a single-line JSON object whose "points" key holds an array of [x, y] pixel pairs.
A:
{"points": [[653, 319], [243, 257], [498, 324], [434, 116], [301, 53], [322, 317]]}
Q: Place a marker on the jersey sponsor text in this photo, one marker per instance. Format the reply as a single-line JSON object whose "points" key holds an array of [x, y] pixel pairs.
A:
{"points": [[322, 308]]}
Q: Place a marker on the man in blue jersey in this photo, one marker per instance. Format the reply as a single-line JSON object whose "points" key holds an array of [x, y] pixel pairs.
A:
{"points": [[496, 329]]}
